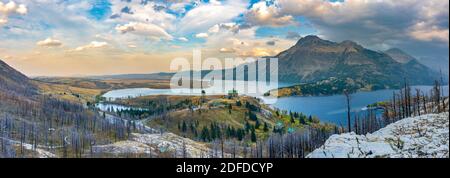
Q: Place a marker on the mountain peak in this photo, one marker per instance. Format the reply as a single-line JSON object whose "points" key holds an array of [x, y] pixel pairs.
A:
{"points": [[395, 50], [312, 40], [399, 55], [349, 43]]}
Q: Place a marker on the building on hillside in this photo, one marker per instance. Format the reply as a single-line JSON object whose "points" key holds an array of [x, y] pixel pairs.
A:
{"points": [[232, 94]]}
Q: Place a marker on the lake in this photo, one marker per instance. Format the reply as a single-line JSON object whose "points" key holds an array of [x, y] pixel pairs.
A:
{"points": [[333, 108], [327, 108]]}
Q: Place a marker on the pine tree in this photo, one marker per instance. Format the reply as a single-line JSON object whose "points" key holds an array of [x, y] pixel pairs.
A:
{"points": [[266, 127], [184, 127], [253, 136], [257, 124], [205, 136]]}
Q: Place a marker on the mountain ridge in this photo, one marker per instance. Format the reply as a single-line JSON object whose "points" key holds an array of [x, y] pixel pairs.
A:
{"points": [[313, 59], [15, 82], [322, 67]]}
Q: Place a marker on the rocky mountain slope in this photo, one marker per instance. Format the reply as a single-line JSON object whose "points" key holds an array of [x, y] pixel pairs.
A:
{"points": [[425, 136], [313, 59], [35, 124], [15, 82], [326, 68], [399, 56]]}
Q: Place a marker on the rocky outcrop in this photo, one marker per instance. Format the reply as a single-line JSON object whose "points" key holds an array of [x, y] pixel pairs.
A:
{"points": [[424, 136]]}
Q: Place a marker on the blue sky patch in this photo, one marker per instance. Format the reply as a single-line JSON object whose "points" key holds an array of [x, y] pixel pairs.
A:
{"points": [[100, 9]]}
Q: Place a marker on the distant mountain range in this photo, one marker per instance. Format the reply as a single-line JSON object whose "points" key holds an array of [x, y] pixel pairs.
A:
{"points": [[153, 76], [317, 62]]}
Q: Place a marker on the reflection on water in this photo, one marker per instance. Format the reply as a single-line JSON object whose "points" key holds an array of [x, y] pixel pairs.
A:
{"points": [[114, 107], [220, 87]]}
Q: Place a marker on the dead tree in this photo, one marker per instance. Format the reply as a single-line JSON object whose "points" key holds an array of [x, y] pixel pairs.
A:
{"points": [[347, 99]]}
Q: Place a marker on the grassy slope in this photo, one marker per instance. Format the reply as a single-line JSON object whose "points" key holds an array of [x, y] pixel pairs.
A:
{"points": [[70, 93], [107, 84], [217, 111]]}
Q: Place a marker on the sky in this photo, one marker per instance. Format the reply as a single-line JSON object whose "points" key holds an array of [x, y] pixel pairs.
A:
{"points": [[99, 37]]}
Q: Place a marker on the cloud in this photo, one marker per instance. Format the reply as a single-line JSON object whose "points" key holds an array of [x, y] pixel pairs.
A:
{"points": [[178, 7], [267, 15], [11, 8], [183, 39], [205, 15], [293, 35], [201, 35], [271, 43], [227, 50], [3, 21], [258, 52], [244, 43], [233, 27], [49, 42], [416, 26], [376, 24], [92, 45], [331, 12], [137, 11], [144, 29], [424, 32]]}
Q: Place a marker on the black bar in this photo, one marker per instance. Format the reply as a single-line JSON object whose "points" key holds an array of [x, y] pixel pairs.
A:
{"points": [[281, 167]]}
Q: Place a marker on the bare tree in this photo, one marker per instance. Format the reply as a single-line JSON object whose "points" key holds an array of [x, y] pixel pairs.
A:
{"points": [[347, 99]]}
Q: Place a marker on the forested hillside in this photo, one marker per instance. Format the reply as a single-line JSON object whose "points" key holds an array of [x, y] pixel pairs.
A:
{"points": [[31, 122]]}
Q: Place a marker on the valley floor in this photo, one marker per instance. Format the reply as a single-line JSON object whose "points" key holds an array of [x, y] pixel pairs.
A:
{"points": [[425, 136]]}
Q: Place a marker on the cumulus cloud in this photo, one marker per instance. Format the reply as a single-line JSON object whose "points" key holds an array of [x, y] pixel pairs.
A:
{"points": [[267, 15], [11, 8], [233, 27], [178, 7], [376, 24], [427, 32], [201, 35], [205, 15], [145, 29], [335, 12], [378, 15], [49, 42], [244, 43], [92, 45], [136, 11]]}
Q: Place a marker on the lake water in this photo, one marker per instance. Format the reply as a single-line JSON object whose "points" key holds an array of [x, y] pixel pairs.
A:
{"points": [[114, 107], [333, 108], [219, 87], [327, 108]]}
